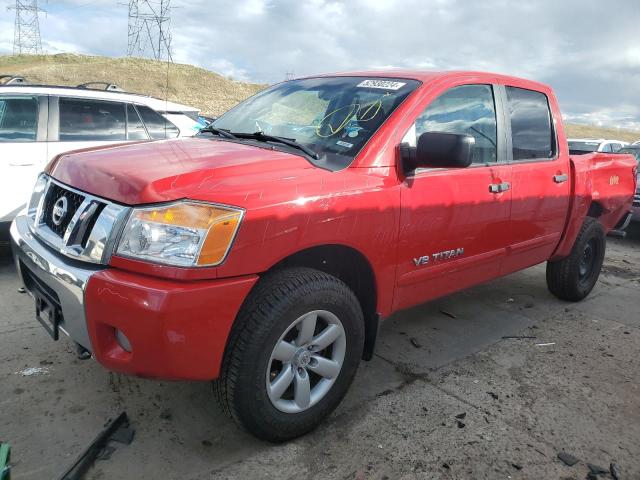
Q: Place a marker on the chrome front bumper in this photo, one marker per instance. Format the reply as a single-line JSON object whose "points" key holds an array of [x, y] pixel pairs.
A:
{"points": [[38, 264]]}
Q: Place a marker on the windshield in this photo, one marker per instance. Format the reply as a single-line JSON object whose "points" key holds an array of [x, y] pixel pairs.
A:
{"points": [[333, 116], [584, 146]]}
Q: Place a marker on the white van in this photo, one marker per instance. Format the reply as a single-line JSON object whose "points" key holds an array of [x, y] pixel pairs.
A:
{"points": [[39, 122]]}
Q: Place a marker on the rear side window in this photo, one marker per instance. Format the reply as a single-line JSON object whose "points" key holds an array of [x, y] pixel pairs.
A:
{"points": [[91, 121], [468, 109], [135, 127], [158, 127], [608, 148], [531, 129], [18, 119]]}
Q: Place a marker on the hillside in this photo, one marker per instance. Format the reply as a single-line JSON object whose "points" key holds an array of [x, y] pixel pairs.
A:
{"points": [[212, 93], [189, 85], [591, 131]]}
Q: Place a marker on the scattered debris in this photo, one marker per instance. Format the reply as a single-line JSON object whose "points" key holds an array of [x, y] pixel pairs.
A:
{"points": [[105, 453], [448, 314], [567, 459], [545, 344], [5, 455], [519, 337], [461, 416], [99, 447], [597, 469], [21, 290], [461, 424], [516, 466], [380, 446], [627, 333], [28, 372], [446, 465], [615, 472], [510, 300], [540, 452], [123, 435], [493, 395], [415, 342], [46, 362]]}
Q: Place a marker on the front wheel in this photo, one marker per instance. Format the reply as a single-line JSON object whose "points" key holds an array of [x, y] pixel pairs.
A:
{"points": [[573, 277], [292, 354]]}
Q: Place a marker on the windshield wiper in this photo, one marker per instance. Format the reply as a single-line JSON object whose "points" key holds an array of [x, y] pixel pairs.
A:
{"points": [[219, 131], [264, 137]]}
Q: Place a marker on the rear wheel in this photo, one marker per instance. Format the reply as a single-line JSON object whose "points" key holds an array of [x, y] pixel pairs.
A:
{"points": [[292, 354], [573, 277]]}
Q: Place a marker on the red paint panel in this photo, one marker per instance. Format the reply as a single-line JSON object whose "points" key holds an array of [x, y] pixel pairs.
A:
{"points": [[177, 330], [448, 209]]}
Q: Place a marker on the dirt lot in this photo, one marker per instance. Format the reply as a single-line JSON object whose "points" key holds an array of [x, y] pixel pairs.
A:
{"points": [[573, 386]]}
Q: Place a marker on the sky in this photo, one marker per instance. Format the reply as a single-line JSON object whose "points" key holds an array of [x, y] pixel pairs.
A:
{"points": [[588, 50]]}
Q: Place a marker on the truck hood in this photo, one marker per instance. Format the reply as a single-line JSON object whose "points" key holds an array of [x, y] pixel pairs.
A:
{"points": [[197, 168]]}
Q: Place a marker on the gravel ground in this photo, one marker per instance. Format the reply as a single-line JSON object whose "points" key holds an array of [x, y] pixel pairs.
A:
{"points": [[445, 397]]}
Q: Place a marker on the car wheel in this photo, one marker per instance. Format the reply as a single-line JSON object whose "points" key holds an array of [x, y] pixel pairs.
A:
{"points": [[292, 354], [573, 277]]}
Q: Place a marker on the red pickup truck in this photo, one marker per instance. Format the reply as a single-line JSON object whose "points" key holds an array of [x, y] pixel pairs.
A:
{"points": [[263, 253]]}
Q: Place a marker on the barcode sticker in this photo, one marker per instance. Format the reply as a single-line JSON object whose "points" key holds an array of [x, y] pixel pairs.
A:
{"points": [[382, 84]]}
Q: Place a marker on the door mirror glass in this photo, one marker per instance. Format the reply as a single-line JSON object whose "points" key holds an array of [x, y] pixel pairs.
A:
{"points": [[439, 150]]}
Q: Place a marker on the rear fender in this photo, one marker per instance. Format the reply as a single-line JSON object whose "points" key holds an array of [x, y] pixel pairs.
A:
{"points": [[602, 187]]}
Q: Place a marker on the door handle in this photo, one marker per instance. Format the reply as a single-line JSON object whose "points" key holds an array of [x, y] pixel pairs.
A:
{"points": [[560, 178], [499, 187]]}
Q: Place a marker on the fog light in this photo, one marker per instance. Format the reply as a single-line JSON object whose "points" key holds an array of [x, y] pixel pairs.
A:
{"points": [[123, 341]]}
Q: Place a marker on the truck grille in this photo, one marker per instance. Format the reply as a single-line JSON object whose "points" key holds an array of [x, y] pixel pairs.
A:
{"points": [[76, 224], [54, 194]]}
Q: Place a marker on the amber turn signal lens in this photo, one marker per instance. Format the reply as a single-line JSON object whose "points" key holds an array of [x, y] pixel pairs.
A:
{"points": [[219, 239]]}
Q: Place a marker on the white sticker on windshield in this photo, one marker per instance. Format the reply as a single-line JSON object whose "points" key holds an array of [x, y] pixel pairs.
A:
{"points": [[344, 144], [382, 84]]}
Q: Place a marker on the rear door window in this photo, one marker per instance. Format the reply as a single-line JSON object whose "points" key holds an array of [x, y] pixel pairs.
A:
{"points": [[531, 126], [18, 119], [468, 109], [159, 128], [92, 120], [135, 127]]}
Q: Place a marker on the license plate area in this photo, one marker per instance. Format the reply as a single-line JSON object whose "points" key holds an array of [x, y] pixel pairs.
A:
{"points": [[48, 314], [48, 310]]}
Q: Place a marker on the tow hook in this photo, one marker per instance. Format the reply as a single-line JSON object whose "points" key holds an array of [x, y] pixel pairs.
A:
{"points": [[82, 353]]}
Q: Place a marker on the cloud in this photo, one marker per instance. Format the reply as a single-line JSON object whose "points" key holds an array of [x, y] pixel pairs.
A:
{"points": [[588, 51]]}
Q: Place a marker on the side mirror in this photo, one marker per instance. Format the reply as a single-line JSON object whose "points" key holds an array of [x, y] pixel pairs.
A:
{"points": [[440, 150]]}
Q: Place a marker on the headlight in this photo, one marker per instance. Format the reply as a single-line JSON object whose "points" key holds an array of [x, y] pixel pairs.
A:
{"points": [[185, 234]]}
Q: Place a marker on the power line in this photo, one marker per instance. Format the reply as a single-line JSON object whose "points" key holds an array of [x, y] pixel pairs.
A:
{"points": [[149, 29], [26, 36]]}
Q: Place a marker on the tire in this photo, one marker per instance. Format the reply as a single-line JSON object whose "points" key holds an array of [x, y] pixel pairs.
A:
{"points": [[573, 277], [247, 388]]}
